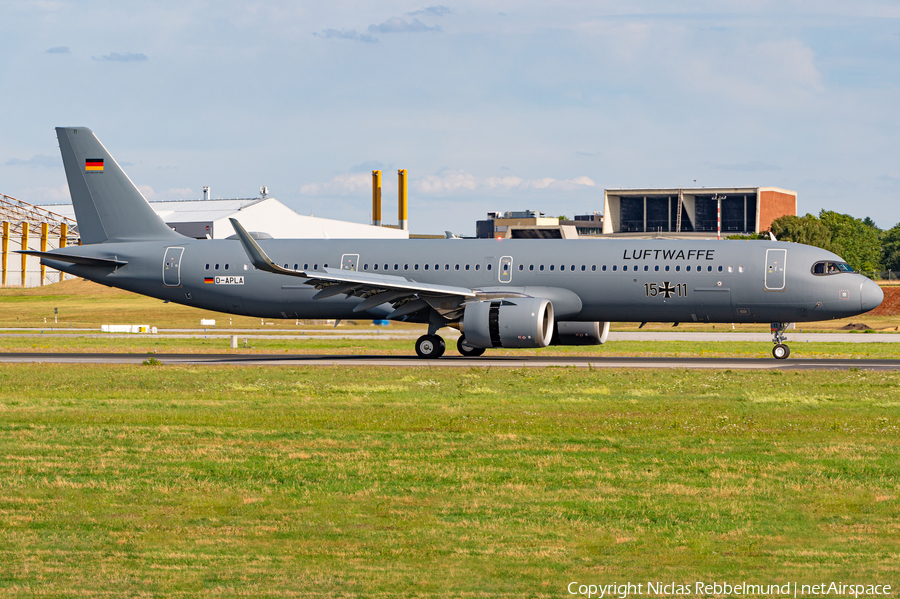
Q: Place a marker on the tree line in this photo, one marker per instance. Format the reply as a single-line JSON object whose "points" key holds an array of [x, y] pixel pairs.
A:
{"points": [[858, 241]]}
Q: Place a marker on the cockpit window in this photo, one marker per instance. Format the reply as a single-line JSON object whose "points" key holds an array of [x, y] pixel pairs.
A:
{"points": [[826, 267]]}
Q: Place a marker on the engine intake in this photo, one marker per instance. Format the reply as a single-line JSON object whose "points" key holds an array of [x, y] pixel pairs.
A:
{"points": [[518, 322]]}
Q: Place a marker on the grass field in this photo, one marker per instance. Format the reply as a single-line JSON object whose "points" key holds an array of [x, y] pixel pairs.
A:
{"points": [[145, 344], [334, 482]]}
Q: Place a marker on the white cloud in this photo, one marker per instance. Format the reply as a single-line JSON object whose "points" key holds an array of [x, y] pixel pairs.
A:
{"points": [[450, 182], [346, 34], [398, 25], [339, 185], [46, 195], [126, 57]]}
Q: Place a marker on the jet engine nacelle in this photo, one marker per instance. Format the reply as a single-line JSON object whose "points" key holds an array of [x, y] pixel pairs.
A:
{"points": [[514, 322], [580, 333]]}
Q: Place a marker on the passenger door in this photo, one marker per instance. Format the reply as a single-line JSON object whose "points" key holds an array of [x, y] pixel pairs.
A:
{"points": [[775, 273]]}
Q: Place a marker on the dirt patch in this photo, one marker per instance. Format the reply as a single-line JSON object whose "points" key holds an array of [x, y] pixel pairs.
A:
{"points": [[891, 304], [855, 326]]}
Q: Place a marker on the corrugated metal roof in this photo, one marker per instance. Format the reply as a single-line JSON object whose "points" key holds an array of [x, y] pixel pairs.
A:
{"points": [[185, 210]]}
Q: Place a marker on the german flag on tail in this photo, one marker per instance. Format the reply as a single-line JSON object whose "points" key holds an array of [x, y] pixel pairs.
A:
{"points": [[93, 165]]}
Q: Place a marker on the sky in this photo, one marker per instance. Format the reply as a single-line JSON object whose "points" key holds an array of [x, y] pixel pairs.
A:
{"points": [[489, 105]]}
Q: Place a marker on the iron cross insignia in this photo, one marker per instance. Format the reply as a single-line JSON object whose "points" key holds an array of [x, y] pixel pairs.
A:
{"points": [[667, 290]]}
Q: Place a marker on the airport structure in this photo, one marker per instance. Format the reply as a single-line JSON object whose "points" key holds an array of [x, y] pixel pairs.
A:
{"points": [[208, 219], [24, 225], [677, 213], [694, 212]]}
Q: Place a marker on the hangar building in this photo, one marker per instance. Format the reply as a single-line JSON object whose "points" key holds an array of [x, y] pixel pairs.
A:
{"points": [[686, 211], [209, 219]]}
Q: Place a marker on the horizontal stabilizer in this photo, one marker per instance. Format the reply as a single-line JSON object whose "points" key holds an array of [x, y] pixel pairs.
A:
{"points": [[82, 260]]}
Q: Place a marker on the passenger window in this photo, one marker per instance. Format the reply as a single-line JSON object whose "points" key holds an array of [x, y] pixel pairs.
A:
{"points": [[656, 268], [315, 267], [646, 268], [720, 268], [386, 267], [583, 268], [375, 266], [740, 269], [593, 267], [446, 267], [296, 267], [217, 267], [426, 267], [678, 268], [688, 268], [305, 266], [552, 266], [406, 267], [437, 266], [415, 267], [521, 267], [667, 268], [396, 267], [477, 267], [604, 268], [457, 267], [709, 268], [531, 267], [542, 267], [614, 267], [572, 268], [467, 267], [489, 266], [365, 267], [207, 267]]}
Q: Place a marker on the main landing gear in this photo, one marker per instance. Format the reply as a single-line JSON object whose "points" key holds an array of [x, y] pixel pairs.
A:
{"points": [[780, 351], [467, 350], [430, 347]]}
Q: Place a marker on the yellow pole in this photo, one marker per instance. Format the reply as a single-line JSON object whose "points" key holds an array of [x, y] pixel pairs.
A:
{"points": [[24, 247], [45, 229], [376, 198], [402, 196], [5, 251], [63, 240]]}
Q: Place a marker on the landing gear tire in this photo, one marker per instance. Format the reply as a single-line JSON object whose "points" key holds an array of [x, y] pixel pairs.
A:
{"points": [[781, 351], [467, 350], [430, 347]]}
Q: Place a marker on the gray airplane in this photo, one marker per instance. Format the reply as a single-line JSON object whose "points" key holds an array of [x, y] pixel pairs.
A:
{"points": [[498, 293]]}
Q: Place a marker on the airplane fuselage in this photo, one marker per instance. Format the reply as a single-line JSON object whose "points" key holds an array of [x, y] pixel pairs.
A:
{"points": [[587, 280]]}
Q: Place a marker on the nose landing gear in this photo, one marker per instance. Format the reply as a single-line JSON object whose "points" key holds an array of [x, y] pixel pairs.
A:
{"points": [[780, 351]]}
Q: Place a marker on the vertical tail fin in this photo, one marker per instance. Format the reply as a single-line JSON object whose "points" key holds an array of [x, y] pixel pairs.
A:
{"points": [[108, 207]]}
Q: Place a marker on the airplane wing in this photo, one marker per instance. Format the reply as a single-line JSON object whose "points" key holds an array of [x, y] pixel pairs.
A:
{"points": [[406, 295]]}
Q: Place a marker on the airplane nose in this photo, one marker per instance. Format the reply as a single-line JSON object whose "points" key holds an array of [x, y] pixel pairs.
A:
{"points": [[870, 295]]}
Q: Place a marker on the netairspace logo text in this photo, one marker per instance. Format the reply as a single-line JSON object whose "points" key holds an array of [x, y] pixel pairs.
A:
{"points": [[624, 590]]}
